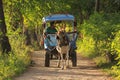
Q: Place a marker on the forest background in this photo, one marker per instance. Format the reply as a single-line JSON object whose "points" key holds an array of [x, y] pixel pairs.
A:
{"points": [[98, 24]]}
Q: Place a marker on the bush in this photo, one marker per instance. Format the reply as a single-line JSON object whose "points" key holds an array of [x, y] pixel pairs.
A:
{"points": [[101, 39], [116, 48], [17, 60], [86, 46]]}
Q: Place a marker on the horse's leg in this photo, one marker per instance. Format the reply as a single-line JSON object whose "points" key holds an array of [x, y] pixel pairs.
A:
{"points": [[67, 55], [58, 64], [62, 66], [65, 62]]}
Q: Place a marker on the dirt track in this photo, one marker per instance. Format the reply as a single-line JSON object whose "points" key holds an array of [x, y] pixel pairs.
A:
{"points": [[85, 70]]}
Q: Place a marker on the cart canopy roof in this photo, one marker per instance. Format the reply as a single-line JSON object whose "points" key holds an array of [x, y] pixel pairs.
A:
{"points": [[58, 17]]}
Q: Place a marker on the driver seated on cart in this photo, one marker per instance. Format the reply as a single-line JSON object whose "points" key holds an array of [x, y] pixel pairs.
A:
{"points": [[51, 29], [49, 41]]}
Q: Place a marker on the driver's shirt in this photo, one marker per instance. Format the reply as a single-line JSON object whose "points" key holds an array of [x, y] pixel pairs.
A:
{"points": [[51, 41], [51, 30]]}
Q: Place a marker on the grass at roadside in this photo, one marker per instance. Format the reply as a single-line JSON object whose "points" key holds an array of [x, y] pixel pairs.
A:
{"points": [[16, 61]]}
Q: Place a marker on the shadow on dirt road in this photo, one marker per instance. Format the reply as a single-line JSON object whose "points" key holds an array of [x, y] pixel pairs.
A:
{"points": [[85, 70]]}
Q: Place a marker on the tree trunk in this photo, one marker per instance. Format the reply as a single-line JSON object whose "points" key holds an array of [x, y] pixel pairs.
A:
{"points": [[26, 33], [81, 15], [4, 41], [97, 5]]}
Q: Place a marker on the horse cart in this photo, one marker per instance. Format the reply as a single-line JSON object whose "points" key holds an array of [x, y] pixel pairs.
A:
{"points": [[67, 22]]}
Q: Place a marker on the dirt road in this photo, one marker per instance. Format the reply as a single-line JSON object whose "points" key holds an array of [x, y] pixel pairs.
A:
{"points": [[85, 70]]}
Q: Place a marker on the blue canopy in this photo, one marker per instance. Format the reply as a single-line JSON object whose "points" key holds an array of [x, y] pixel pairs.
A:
{"points": [[58, 17]]}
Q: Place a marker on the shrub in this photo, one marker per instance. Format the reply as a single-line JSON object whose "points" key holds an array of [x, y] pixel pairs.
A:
{"points": [[17, 60], [101, 39], [116, 48]]}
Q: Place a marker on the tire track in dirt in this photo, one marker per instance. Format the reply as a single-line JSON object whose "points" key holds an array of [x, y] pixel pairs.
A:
{"points": [[85, 70]]}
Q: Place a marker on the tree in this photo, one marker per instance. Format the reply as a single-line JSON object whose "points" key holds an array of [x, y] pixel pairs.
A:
{"points": [[4, 41], [97, 4]]}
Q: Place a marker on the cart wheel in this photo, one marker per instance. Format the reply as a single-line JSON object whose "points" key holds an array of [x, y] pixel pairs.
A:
{"points": [[74, 59], [47, 59]]}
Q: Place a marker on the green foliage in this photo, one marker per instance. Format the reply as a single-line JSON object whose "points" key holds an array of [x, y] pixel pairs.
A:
{"points": [[116, 45], [110, 6], [100, 32], [86, 46], [100, 61], [17, 60], [116, 48], [99, 35]]}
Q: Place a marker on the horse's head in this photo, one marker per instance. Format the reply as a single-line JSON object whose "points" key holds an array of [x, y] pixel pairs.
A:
{"points": [[62, 38]]}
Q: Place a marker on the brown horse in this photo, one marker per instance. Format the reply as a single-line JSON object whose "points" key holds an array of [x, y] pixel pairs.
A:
{"points": [[63, 49]]}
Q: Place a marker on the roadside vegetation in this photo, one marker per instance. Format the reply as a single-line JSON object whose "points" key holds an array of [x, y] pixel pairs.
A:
{"points": [[98, 24], [16, 61], [101, 41]]}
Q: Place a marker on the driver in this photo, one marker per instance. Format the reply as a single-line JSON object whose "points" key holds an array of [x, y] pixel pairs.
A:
{"points": [[51, 29], [48, 42]]}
